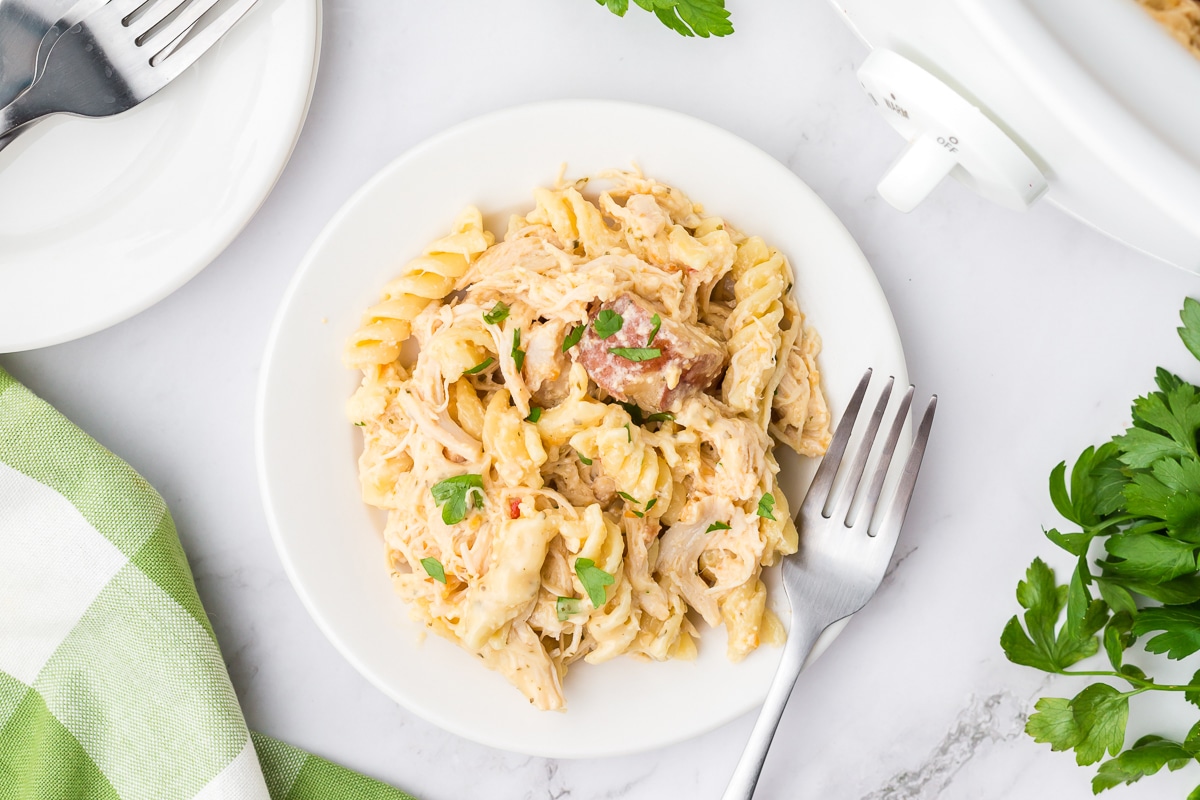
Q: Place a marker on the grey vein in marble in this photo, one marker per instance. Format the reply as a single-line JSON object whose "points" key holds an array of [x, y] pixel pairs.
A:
{"points": [[997, 718]]}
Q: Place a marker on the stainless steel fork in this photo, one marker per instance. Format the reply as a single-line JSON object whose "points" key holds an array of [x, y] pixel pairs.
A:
{"points": [[117, 56], [842, 555]]}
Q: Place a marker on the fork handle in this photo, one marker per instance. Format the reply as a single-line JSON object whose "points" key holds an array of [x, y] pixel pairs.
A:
{"points": [[7, 139], [26, 108], [799, 644]]}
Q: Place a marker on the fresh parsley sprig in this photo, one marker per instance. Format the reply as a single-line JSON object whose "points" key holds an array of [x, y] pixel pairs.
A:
{"points": [[1136, 501], [701, 18]]}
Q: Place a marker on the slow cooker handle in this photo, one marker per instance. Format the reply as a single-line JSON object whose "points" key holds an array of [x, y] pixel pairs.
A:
{"points": [[946, 135]]}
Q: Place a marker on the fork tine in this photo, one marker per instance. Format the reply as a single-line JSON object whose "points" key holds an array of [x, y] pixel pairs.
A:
{"points": [[885, 457], [156, 13], [889, 528], [845, 498], [193, 10], [171, 62], [814, 501]]}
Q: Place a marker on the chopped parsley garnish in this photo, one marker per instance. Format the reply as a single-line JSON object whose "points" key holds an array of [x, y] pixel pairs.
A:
{"points": [[649, 504], [593, 579], [535, 414], [718, 526], [655, 324], [434, 568], [573, 337], [481, 366], [636, 353], [583, 459], [361, 424], [766, 505], [640, 417], [607, 323], [451, 494], [517, 353], [628, 433], [565, 607], [497, 315]]}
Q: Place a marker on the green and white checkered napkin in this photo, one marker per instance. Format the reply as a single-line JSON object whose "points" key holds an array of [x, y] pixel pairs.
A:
{"points": [[111, 682]]}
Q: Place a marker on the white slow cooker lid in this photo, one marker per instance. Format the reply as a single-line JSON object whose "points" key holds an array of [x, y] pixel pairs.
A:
{"points": [[1123, 86]]}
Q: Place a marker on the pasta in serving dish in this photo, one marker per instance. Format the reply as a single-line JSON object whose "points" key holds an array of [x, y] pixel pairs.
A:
{"points": [[581, 450], [1180, 17]]}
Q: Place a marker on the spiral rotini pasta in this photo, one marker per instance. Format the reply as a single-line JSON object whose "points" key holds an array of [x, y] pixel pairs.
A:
{"points": [[580, 454], [761, 276], [427, 278]]}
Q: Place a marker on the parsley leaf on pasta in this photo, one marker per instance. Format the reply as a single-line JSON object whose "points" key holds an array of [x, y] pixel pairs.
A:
{"points": [[607, 323], [593, 579], [766, 506], [636, 353], [572, 338], [498, 314], [481, 366], [535, 413], [583, 459], [517, 353], [564, 607], [634, 412], [718, 526], [434, 569], [655, 324], [451, 494]]}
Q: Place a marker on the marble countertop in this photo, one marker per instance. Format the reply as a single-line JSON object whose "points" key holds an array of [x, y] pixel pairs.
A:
{"points": [[1034, 330]]}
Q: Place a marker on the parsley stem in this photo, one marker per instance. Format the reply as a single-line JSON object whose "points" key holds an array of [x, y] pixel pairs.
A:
{"points": [[1108, 523], [1144, 683]]}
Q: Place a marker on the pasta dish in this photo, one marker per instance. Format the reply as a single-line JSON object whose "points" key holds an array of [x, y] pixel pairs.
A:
{"points": [[579, 449], [1180, 17]]}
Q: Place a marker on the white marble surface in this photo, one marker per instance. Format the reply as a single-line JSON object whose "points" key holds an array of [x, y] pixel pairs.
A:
{"points": [[1035, 331]]}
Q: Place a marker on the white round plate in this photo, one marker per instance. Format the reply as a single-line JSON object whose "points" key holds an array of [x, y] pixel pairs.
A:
{"points": [[331, 543], [102, 218]]}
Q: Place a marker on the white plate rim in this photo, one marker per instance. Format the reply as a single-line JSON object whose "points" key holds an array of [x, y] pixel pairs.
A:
{"points": [[497, 738], [204, 256]]}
